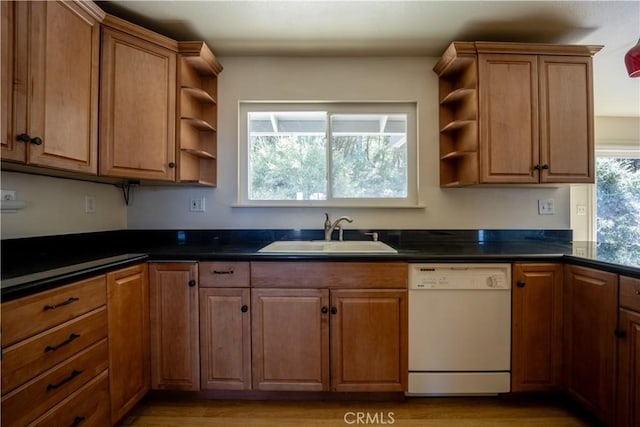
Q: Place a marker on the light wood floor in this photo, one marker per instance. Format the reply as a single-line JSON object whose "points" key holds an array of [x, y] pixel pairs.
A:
{"points": [[414, 412]]}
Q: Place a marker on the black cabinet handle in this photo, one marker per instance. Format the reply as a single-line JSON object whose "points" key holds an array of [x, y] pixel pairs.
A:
{"points": [[71, 338], [192, 283], [60, 304], [545, 167], [74, 374], [222, 271], [520, 284], [537, 167], [172, 165], [244, 308], [23, 137], [334, 310], [619, 333], [324, 310], [77, 421]]}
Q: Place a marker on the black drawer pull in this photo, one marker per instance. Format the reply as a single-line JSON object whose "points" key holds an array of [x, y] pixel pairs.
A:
{"points": [[61, 304], [74, 374], [62, 344], [222, 271], [77, 421], [244, 308]]}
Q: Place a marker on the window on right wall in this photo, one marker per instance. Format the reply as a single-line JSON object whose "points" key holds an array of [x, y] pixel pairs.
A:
{"points": [[617, 196]]}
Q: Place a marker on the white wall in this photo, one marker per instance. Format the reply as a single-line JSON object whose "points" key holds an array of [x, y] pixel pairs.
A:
{"points": [[341, 79], [56, 206]]}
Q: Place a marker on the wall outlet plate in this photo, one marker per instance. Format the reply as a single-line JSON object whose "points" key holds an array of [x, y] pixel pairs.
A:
{"points": [[197, 205], [545, 207], [89, 204], [7, 194]]}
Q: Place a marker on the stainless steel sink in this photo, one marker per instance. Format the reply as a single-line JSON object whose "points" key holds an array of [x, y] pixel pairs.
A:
{"points": [[328, 247]]}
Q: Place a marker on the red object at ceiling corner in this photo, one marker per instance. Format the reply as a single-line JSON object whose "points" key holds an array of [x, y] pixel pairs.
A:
{"points": [[632, 61]]}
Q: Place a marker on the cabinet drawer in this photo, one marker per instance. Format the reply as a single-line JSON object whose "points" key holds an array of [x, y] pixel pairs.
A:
{"points": [[30, 357], [224, 274], [332, 275], [86, 407], [30, 315], [27, 402], [630, 293]]}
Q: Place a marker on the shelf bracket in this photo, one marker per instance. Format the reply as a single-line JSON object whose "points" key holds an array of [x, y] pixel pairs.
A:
{"points": [[125, 187]]}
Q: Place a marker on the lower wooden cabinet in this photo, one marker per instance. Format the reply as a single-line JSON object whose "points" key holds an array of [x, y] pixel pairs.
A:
{"points": [[175, 355], [319, 340], [225, 339], [369, 340], [590, 307], [628, 410], [290, 339], [88, 406], [54, 343], [536, 357], [128, 312]]}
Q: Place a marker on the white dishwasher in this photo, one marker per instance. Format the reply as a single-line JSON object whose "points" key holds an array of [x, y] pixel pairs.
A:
{"points": [[459, 329]]}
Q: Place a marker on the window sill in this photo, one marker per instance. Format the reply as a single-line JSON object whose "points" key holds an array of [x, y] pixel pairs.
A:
{"points": [[325, 205]]}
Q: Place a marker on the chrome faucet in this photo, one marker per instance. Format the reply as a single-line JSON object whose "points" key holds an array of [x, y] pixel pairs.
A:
{"points": [[328, 227]]}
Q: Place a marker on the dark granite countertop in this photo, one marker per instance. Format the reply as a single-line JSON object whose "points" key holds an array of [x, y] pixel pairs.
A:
{"points": [[35, 264]]}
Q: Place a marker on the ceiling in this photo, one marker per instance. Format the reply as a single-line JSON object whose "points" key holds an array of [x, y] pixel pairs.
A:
{"points": [[403, 28]]}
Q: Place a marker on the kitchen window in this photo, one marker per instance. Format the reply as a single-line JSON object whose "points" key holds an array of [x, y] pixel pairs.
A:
{"points": [[617, 196], [328, 154]]}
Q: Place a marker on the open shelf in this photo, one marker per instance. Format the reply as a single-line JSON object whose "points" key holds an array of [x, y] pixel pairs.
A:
{"points": [[200, 95], [198, 123], [457, 95], [199, 153], [458, 115], [198, 114]]}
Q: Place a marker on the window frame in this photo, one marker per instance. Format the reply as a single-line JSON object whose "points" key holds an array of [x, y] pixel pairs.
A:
{"points": [[410, 108]]}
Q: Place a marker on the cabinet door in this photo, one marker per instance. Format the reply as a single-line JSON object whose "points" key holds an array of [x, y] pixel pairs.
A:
{"points": [[9, 110], [566, 119], [590, 307], [128, 320], [536, 358], [225, 337], [629, 369], [369, 340], [290, 339], [175, 354], [137, 108], [508, 96], [63, 99]]}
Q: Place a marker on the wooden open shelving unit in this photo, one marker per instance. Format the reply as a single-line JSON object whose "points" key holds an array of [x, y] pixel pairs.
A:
{"points": [[197, 112], [457, 73]]}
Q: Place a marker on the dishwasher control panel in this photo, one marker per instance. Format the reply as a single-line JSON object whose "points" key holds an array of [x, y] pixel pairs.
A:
{"points": [[459, 276]]}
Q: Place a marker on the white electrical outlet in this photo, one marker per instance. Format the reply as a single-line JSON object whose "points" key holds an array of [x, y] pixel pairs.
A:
{"points": [[581, 209], [8, 194], [197, 205], [89, 204], [545, 207]]}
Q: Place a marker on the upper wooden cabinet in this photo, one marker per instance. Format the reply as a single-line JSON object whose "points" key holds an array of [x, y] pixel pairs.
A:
{"points": [[50, 109], [515, 113], [137, 103]]}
